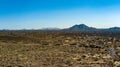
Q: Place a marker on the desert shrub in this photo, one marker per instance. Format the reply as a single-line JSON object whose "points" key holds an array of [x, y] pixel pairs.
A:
{"points": [[118, 66], [20, 66], [73, 44], [45, 43], [9, 66], [58, 44]]}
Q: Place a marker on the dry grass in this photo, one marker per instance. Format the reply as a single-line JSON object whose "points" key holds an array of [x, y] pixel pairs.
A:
{"points": [[58, 50]]}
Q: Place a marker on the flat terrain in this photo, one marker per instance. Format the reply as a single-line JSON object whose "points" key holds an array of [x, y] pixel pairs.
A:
{"points": [[58, 49]]}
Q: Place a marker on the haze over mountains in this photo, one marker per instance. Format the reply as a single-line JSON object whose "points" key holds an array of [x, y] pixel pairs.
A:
{"points": [[83, 27], [80, 27]]}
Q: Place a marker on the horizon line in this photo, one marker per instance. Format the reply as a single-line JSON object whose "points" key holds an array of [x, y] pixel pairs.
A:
{"points": [[57, 28]]}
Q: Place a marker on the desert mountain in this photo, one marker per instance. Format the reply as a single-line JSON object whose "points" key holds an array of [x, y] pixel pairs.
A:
{"points": [[81, 27]]}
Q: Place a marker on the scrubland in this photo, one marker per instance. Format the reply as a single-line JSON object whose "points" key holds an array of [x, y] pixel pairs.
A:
{"points": [[58, 49]]}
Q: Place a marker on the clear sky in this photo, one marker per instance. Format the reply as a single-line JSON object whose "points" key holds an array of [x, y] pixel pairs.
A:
{"points": [[36, 14]]}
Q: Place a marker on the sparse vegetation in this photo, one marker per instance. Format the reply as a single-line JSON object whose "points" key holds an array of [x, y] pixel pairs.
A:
{"points": [[58, 49]]}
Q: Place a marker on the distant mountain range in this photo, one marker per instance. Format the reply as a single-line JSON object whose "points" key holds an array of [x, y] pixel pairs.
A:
{"points": [[83, 27], [51, 28], [80, 27]]}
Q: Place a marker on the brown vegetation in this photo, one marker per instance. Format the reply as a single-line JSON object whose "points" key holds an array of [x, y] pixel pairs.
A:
{"points": [[58, 49]]}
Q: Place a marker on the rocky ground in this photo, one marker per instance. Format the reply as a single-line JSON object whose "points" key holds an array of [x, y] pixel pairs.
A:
{"points": [[59, 50]]}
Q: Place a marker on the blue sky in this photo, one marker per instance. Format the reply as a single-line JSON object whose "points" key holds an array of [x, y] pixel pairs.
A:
{"points": [[36, 14]]}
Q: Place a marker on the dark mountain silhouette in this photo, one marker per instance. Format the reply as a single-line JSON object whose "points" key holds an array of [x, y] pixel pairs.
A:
{"points": [[115, 29], [81, 27], [50, 28], [85, 28]]}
